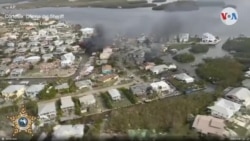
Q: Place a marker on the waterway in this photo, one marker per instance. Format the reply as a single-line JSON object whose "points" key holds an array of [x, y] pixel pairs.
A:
{"points": [[133, 22]]}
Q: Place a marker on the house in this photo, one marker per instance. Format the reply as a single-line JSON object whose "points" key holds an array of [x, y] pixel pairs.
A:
{"points": [[42, 32], [141, 89], [224, 108], [13, 91], [33, 59], [86, 102], [160, 86], [47, 57], [106, 69], [35, 49], [209, 125], [47, 111], [58, 42], [83, 84], [183, 38], [239, 95], [65, 132], [19, 59], [62, 86], [184, 77], [4, 70], [22, 50], [67, 59], [87, 32], [10, 44], [107, 78], [21, 44], [67, 104], [17, 72], [9, 50], [114, 94], [159, 69], [209, 38], [246, 83], [106, 53], [33, 90]]}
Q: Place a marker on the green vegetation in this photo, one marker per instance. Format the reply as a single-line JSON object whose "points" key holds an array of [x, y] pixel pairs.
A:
{"points": [[241, 48], [197, 48], [77, 105], [31, 107], [130, 96], [86, 3], [158, 61], [178, 46], [48, 92], [184, 58], [238, 129], [9, 109], [107, 100], [182, 86], [222, 71], [58, 108], [167, 115]]}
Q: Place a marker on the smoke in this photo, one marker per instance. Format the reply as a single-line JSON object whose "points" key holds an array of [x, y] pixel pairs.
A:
{"points": [[95, 43], [166, 27]]}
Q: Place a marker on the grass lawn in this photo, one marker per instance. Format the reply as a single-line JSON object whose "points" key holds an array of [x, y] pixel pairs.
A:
{"points": [[100, 103], [238, 129], [122, 103], [179, 46]]}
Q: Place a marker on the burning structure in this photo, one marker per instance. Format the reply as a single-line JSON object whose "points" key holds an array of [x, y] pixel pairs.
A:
{"points": [[95, 42]]}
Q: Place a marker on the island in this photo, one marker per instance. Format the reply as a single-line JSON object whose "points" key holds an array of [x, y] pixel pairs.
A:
{"points": [[184, 58]]}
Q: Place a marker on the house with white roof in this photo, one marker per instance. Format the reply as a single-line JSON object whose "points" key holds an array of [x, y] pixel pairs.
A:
{"points": [[67, 59], [87, 102], [17, 72], [83, 84], [239, 95], [58, 42], [35, 49], [160, 86], [9, 50], [42, 32], [67, 104], [87, 32], [47, 112], [224, 108], [159, 69], [62, 86], [208, 38], [47, 57], [184, 77], [33, 90], [114, 94], [19, 59], [65, 132], [184, 37], [13, 91], [33, 59]]}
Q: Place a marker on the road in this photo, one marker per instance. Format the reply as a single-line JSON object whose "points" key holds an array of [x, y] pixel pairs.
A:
{"points": [[94, 91]]}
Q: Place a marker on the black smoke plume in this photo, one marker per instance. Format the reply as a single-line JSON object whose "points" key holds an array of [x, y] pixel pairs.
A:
{"points": [[166, 27], [96, 42]]}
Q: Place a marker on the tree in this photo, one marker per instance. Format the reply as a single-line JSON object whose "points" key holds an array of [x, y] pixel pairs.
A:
{"points": [[215, 71], [31, 107], [184, 58]]}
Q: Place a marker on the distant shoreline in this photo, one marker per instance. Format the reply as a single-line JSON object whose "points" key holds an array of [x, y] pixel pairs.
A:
{"points": [[124, 4]]}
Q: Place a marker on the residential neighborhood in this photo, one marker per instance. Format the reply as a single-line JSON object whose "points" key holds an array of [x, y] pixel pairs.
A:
{"points": [[77, 88]]}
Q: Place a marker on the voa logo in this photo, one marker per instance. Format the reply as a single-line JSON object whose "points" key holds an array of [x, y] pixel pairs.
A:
{"points": [[229, 16]]}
